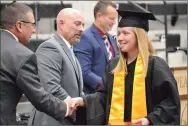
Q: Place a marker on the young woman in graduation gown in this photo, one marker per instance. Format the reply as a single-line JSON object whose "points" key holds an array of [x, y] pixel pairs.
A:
{"points": [[137, 87]]}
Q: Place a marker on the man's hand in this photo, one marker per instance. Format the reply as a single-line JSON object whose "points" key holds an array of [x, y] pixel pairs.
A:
{"points": [[77, 102], [73, 103], [141, 121], [70, 108]]}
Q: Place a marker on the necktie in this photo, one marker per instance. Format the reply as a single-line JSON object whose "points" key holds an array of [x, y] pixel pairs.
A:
{"points": [[75, 60], [73, 56], [107, 45]]}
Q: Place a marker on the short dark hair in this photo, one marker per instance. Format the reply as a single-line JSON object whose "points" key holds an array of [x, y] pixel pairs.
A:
{"points": [[102, 5], [12, 13]]}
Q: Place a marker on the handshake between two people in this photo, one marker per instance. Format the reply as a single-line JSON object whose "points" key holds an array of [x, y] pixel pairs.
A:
{"points": [[73, 103]]}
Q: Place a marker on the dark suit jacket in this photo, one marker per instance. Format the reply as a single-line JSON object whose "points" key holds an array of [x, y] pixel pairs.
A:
{"points": [[60, 75], [162, 97], [18, 75], [92, 55]]}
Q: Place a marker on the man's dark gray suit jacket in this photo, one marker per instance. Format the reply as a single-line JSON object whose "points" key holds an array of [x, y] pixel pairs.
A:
{"points": [[59, 73], [18, 75]]}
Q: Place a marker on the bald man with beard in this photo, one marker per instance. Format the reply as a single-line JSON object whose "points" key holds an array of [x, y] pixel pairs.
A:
{"points": [[59, 69]]}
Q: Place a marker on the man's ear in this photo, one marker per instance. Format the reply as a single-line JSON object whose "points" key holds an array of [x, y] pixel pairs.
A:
{"points": [[61, 23], [98, 15], [18, 26]]}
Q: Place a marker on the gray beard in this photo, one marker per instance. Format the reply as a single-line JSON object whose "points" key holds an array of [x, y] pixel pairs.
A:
{"points": [[76, 42]]}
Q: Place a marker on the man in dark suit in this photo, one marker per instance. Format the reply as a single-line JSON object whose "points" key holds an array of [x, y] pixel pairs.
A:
{"points": [[59, 69], [97, 46], [19, 71]]}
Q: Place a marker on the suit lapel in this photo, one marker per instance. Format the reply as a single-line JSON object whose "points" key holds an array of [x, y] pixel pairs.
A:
{"points": [[68, 53], [99, 40], [80, 76]]}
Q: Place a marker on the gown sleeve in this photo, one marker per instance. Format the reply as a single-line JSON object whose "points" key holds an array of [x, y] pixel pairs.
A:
{"points": [[165, 96], [95, 104]]}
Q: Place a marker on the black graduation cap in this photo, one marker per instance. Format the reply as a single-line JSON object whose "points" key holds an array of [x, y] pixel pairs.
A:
{"points": [[135, 19]]}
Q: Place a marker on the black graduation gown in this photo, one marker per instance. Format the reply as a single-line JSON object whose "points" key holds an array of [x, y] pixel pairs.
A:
{"points": [[162, 97]]}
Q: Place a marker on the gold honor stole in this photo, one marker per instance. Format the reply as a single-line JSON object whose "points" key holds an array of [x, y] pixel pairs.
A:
{"points": [[139, 109]]}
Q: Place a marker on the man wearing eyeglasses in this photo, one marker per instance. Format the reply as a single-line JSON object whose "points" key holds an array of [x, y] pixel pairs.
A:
{"points": [[18, 70]]}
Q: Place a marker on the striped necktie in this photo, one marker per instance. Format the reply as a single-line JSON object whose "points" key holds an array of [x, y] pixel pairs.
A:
{"points": [[107, 45]]}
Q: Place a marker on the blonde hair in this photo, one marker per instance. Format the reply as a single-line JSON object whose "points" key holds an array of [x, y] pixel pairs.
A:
{"points": [[145, 49]]}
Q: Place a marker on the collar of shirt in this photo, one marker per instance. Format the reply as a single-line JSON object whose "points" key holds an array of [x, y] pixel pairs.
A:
{"points": [[100, 31], [11, 34], [67, 43]]}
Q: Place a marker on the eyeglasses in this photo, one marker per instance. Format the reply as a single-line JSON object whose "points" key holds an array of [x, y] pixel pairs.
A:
{"points": [[33, 24]]}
